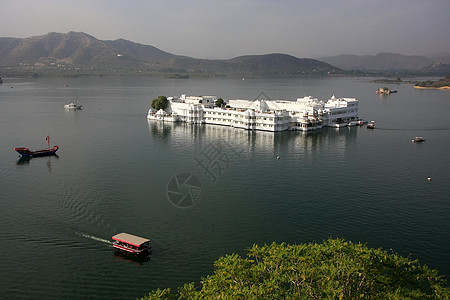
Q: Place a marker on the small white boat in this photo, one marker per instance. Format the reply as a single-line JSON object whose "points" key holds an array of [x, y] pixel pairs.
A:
{"points": [[371, 125], [339, 125], [352, 123], [73, 105], [361, 122], [418, 139]]}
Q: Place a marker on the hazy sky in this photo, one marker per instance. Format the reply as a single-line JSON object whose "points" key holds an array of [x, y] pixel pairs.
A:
{"points": [[229, 28]]}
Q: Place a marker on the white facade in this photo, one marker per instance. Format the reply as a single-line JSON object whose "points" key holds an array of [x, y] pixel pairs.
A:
{"points": [[304, 114]]}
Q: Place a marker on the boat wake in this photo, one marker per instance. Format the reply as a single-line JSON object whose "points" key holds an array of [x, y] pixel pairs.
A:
{"points": [[88, 236], [414, 129], [77, 205]]}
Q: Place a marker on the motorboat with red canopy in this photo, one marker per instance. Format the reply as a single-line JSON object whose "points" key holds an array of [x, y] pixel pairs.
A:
{"points": [[131, 243]]}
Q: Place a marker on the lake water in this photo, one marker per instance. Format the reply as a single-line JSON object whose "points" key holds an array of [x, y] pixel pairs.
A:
{"points": [[116, 172]]}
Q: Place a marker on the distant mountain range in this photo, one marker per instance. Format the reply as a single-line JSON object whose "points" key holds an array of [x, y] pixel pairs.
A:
{"points": [[79, 53], [380, 62]]}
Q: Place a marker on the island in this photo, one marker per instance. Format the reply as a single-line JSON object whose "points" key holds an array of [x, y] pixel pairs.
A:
{"points": [[302, 114], [443, 83]]}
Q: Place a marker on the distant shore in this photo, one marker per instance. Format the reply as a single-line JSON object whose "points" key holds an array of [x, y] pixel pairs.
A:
{"points": [[432, 88], [441, 84]]}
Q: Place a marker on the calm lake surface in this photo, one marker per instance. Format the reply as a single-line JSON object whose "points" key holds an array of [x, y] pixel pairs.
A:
{"points": [[115, 172]]}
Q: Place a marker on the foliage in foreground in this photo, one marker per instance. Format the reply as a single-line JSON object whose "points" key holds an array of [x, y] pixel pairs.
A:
{"points": [[335, 269]]}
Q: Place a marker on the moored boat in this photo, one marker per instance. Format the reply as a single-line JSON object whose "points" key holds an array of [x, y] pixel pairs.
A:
{"points": [[371, 125], [339, 125], [25, 152], [361, 122], [131, 243]]}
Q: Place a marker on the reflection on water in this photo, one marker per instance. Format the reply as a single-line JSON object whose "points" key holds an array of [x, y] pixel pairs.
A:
{"points": [[160, 129], [253, 141], [23, 160], [132, 258]]}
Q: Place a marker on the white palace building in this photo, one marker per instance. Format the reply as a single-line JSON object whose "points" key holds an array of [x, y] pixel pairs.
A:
{"points": [[304, 114]]}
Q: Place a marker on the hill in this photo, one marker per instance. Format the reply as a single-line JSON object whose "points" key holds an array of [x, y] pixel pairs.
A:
{"points": [[437, 69], [77, 52], [76, 49], [380, 62], [269, 64]]}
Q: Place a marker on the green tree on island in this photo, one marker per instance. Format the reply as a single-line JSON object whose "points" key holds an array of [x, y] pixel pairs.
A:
{"points": [[160, 103], [335, 269], [220, 102]]}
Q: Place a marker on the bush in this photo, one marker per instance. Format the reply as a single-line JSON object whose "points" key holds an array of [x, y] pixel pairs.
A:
{"points": [[335, 269]]}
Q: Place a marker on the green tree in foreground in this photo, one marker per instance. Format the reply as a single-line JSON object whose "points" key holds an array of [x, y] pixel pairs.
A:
{"points": [[160, 103], [335, 269], [220, 102]]}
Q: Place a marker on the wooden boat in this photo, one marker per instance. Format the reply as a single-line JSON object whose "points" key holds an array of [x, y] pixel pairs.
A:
{"points": [[25, 152], [131, 243]]}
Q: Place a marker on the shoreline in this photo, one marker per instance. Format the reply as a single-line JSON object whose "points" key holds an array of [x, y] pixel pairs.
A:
{"points": [[433, 88]]}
